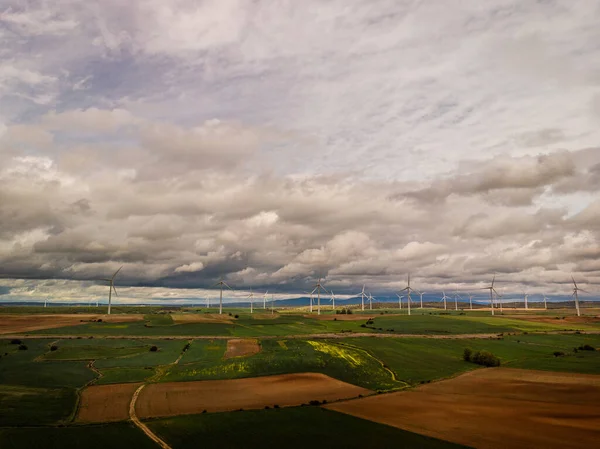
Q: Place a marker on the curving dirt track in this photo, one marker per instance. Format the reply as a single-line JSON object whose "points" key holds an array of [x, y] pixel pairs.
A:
{"points": [[104, 403], [495, 408], [180, 398], [25, 323]]}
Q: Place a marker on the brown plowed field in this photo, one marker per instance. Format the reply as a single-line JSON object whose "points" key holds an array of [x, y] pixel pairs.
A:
{"points": [[180, 398], [240, 347], [345, 317], [104, 403], [495, 408], [12, 324], [201, 318]]}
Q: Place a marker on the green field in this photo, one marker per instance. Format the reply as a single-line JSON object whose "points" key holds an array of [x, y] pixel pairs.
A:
{"points": [[116, 435], [282, 357], [298, 427], [246, 325]]}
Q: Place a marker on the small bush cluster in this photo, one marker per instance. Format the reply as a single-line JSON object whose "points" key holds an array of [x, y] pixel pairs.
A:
{"points": [[153, 348], [236, 316], [483, 358], [558, 354], [53, 348], [23, 347], [586, 348], [15, 341], [344, 312]]}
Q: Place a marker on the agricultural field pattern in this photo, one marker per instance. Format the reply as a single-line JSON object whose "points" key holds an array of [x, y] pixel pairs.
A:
{"points": [[158, 378]]}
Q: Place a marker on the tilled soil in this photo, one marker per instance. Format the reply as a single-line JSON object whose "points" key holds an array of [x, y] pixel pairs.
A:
{"points": [[495, 408]]}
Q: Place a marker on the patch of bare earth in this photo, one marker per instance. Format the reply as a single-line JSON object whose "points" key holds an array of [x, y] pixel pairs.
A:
{"points": [[13, 324], [180, 398], [241, 347], [495, 408], [343, 317], [105, 403], [200, 318]]}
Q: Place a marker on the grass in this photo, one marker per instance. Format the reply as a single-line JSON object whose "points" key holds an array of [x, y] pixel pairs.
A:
{"points": [[416, 360], [21, 368], [138, 328], [293, 356], [93, 352], [27, 405], [168, 351], [298, 427], [121, 435], [124, 375]]}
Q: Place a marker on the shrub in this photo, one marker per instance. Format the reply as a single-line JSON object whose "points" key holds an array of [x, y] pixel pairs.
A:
{"points": [[276, 406], [363, 325], [485, 358], [99, 320], [53, 348], [558, 353], [16, 341], [204, 411], [314, 402], [335, 319], [229, 313], [467, 354], [153, 348], [369, 321], [237, 316], [349, 311], [23, 347], [267, 407], [587, 348]]}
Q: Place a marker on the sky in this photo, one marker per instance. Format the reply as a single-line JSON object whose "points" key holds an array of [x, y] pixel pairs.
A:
{"points": [[273, 143]]}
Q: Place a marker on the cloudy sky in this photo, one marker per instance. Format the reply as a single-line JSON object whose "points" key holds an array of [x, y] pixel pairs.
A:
{"points": [[275, 142]]}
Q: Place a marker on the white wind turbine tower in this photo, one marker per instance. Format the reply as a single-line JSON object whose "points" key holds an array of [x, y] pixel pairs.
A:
{"points": [[399, 300], [371, 301], [112, 288], [456, 296], [421, 295], [207, 301], [576, 291], [265, 300], [310, 304], [332, 300], [221, 283], [408, 289], [362, 296], [317, 289], [525, 297], [45, 302], [251, 296], [444, 298], [492, 291], [545, 303], [471, 301]]}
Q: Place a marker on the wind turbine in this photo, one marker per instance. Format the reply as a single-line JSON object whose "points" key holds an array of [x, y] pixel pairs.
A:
{"points": [[576, 291], [310, 304], [332, 300], [545, 304], [471, 301], [251, 296], [408, 289], [370, 298], [456, 296], [525, 297], [265, 300], [318, 288], [399, 300], [421, 295], [45, 302], [362, 296], [207, 301], [444, 298], [111, 288], [492, 291], [222, 283]]}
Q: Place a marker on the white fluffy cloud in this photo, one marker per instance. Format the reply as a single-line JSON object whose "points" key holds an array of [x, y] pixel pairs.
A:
{"points": [[273, 144]]}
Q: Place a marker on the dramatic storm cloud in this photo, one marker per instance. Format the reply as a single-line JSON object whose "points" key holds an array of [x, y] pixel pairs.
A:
{"points": [[273, 143]]}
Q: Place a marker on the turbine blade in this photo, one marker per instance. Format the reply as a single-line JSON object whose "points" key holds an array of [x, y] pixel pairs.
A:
{"points": [[115, 290], [582, 290], [117, 272]]}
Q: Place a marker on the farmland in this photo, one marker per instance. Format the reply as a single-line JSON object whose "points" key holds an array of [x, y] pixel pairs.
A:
{"points": [[80, 376]]}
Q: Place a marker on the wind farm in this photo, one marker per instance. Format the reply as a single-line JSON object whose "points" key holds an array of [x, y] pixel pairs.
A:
{"points": [[410, 190]]}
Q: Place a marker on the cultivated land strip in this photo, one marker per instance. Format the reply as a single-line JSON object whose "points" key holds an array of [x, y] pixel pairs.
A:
{"points": [[301, 336], [141, 425]]}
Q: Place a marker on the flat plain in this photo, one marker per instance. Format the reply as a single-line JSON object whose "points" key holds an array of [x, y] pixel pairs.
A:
{"points": [[75, 376]]}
